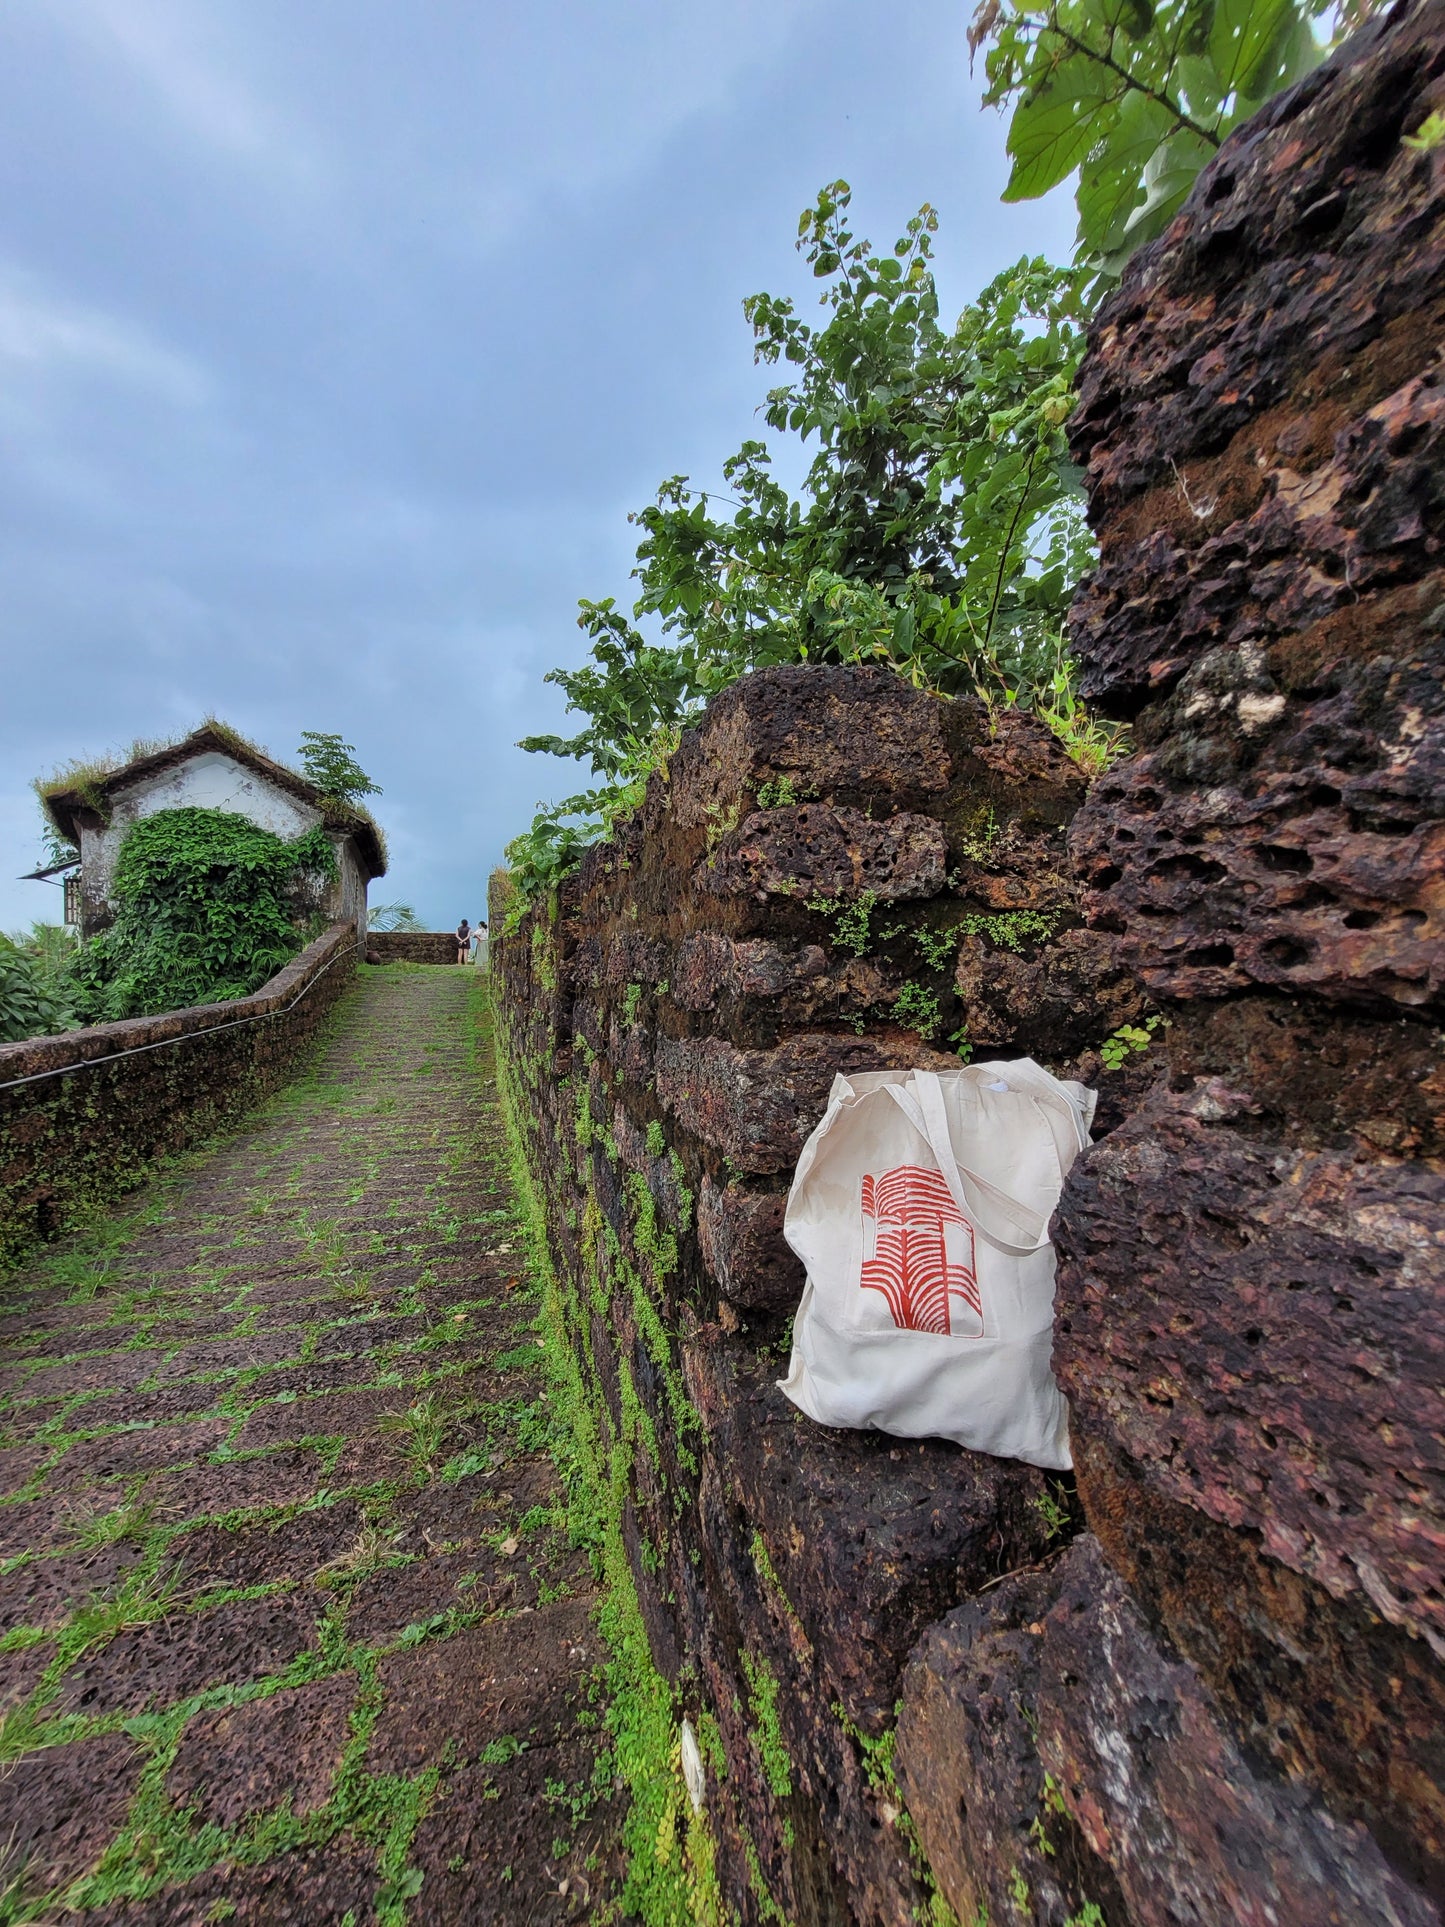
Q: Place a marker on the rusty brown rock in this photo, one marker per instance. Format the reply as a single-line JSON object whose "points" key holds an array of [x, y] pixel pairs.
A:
{"points": [[1323, 1689], [1255, 1325], [1306, 855], [826, 1553], [1258, 411], [245, 1759], [829, 733], [1250, 1289], [870, 1537], [681, 985], [1050, 1747], [1049, 999], [1156, 1783], [757, 1107], [812, 850], [64, 1804], [709, 968], [740, 1234], [968, 1765]]}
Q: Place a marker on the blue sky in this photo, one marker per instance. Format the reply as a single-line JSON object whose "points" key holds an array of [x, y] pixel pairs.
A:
{"points": [[337, 338]]}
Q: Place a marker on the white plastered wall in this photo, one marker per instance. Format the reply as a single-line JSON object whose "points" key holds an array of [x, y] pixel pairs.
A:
{"points": [[213, 781]]}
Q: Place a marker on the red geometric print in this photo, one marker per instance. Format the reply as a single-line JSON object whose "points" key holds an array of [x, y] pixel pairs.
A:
{"points": [[918, 1251]]}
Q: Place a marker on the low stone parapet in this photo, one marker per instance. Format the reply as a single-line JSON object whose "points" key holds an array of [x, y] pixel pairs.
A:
{"points": [[85, 1115], [810, 890], [411, 946]]}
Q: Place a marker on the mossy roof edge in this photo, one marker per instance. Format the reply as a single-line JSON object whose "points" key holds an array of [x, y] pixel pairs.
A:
{"points": [[90, 783]]}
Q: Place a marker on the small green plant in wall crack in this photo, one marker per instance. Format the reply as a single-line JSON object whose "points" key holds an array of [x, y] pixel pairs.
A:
{"points": [[1127, 1041], [1009, 929], [1429, 135], [917, 1010], [1052, 1508], [852, 923], [782, 793], [768, 1729]]}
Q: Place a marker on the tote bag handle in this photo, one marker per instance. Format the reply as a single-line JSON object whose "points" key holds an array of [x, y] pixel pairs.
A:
{"points": [[1021, 1231]]}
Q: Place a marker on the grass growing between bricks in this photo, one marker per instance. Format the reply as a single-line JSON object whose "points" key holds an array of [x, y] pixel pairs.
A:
{"points": [[296, 1614], [670, 1878]]}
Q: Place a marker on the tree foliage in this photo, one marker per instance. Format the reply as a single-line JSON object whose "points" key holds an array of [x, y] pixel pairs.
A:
{"points": [[1137, 95], [393, 916], [35, 998], [938, 528], [331, 765], [205, 911]]}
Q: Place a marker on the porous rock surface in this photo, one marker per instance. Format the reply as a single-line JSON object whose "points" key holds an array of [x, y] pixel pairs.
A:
{"points": [[1250, 1325], [1055, 1755]]}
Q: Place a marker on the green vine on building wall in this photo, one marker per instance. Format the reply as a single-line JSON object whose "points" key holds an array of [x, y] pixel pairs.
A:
{"points": [[206, 910]]}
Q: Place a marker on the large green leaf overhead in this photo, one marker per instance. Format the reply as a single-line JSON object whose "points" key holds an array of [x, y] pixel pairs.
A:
{"points": [[1135, 97]]}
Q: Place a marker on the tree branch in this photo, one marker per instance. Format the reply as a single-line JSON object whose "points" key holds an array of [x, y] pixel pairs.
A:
{"points": [[1130, 80]]}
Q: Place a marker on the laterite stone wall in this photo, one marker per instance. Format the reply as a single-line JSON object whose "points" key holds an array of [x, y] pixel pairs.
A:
{"points": [[84, 1115], [411, 946], [1227, 1701], [833, 857]]}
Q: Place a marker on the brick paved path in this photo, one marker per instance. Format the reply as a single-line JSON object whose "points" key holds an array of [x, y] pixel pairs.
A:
{"points": [[292, 1630]]}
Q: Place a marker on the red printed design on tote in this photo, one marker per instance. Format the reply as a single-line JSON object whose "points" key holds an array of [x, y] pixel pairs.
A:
{"points": [[918, 1251]]}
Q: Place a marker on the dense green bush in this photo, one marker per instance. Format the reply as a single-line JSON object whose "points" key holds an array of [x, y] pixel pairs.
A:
{"points": [[205, 911], [35, 999]]}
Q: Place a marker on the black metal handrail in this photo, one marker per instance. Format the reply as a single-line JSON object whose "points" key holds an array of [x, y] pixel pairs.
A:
{"points": [[183, 1037]]}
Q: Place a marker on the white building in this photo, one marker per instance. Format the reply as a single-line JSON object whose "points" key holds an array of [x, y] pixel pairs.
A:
{"points": [[212, 769]]}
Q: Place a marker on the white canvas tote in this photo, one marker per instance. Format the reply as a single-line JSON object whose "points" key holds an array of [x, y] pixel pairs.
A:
{"points": [[920, 1208]]}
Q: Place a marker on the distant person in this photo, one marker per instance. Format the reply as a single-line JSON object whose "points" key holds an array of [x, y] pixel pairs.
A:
{"points": [[479, 944], [464, 940]]}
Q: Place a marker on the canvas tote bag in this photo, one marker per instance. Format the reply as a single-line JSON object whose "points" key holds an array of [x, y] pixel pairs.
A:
{"points": [[920, 1208]]}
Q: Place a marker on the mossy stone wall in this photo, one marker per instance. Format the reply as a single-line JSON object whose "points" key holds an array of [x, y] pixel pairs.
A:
{"points": [[85, 1115]]}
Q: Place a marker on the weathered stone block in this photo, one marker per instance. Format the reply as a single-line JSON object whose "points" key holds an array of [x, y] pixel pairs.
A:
{"points": [[740, 1231], [1157, 1784], [968, 1765], [1306, 853], [709, 967], [1149, 1810], [1259, 414], [813, 850], [1049, 999], [1322, 1689], [870, 1537], [757, 1107], [828, 732], [629, 957], [1258, 1326]]}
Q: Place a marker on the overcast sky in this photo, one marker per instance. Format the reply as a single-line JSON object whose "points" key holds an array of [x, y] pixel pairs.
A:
{"points": [[337, 338]]}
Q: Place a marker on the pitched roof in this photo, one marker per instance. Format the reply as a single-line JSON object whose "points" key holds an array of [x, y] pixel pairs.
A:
{"points": [[75, 793]]}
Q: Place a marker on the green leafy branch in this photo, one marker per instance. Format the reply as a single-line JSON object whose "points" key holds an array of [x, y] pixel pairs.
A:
{"points": [[1136, 96]]}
